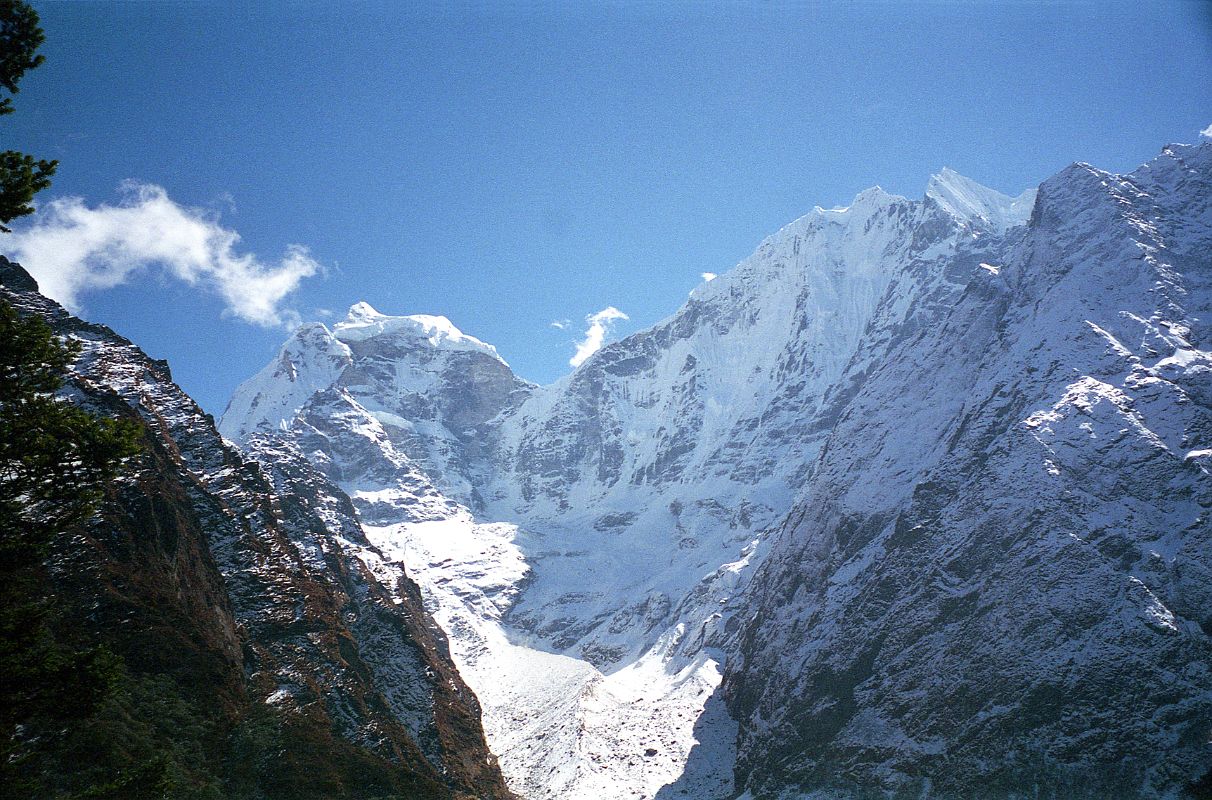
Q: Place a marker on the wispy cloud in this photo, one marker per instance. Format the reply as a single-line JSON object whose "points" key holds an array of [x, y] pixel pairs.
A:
{"points": [[709, 276], [561, 324], [599, 325], [72, 249], [1206, 132]]}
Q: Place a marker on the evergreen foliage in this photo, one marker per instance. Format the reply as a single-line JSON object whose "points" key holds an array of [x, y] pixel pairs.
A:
{"points": [[20, 38], [82, 715], [21, 176], [55, 458]]}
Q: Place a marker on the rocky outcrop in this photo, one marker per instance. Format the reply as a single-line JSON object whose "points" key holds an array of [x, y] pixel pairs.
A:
{"points": [[205, 568], [996, 581]]}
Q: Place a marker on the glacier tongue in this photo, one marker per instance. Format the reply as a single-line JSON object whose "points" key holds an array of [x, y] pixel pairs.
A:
{"points": [[560, 727]]}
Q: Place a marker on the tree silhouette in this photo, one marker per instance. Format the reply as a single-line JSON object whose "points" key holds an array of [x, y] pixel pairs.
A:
{"points": [[21, 175]]}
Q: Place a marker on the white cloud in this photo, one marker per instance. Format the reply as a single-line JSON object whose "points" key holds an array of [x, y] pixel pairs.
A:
{"points": [[1206, 132], [709, 276], [560, 324], [595, 334], [72, 249]]}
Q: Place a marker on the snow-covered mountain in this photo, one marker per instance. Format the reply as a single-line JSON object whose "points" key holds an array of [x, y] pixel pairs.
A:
{"points": [[999, 574], [590, 547]]}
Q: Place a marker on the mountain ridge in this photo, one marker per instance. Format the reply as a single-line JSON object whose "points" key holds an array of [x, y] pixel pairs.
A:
{"points": [[944, 678], [652, 448], [196, 572], [728, 553]]}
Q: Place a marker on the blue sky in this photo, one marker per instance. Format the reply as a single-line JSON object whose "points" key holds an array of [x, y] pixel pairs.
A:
{"points": [[511, 166]]}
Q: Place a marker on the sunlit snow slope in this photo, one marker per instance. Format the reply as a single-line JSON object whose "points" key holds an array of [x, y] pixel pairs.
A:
{"points": [[586, 545]]}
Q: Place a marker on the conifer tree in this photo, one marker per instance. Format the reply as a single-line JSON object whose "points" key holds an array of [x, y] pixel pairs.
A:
{"points": [[21, 175], [55, 459]]}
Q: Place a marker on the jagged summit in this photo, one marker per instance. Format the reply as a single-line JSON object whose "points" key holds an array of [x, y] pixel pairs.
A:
{"points": [[865, 202], [362, 310], [363, 349], [979, 205], [975, 207], [308, 362]]}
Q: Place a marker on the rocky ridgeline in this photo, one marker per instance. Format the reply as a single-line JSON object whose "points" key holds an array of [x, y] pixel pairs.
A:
{"points": [[237, 583]]}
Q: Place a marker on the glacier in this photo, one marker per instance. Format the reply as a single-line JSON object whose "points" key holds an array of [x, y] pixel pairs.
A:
{"points": [[678, 570]]}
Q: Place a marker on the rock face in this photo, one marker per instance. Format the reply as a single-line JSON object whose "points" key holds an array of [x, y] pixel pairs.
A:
{"points": [[996, 580], [246, 587], [928, 480]]}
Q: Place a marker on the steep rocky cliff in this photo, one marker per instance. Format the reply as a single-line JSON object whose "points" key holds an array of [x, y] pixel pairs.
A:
{"points": [[237, 585], [996, 580]]}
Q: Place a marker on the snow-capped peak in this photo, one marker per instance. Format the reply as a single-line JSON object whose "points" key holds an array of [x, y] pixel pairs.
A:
{"points": [[874, 196], [309, 361], [362, 310], [411, 355], [364, 322], [979, 205], [865, 202]]}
